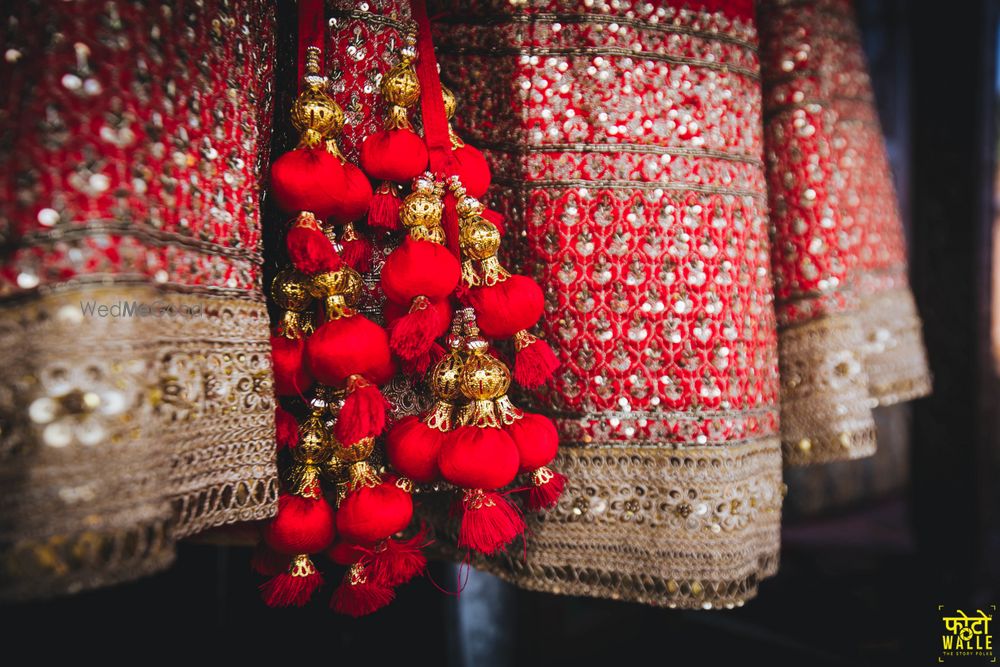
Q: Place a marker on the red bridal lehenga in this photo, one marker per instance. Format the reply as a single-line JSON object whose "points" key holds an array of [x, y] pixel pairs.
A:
{"points": [[136, 401], [699, 188]]}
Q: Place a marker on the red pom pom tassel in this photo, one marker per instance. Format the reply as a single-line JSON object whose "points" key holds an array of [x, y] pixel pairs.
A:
{"points": [[417, 367], [412, 335], [287, 429], [384, 210], [294, 587], [356, 250], [309, 248], [489, 522], [546, 488], [359, 594], [534, 361], [363, 414], [398, 561]]}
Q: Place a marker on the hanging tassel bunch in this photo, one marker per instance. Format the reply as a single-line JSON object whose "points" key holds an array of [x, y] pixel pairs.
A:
{"points": [[332, 358]]}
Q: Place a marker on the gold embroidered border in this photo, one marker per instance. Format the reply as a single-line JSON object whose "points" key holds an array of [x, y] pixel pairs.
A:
{"points": [[121, 434], [607, 51], [825, 405], [697, 527], [597, 19], [894, 347]]}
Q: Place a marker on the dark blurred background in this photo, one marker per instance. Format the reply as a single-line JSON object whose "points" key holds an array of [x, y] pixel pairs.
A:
{"points": [[870, 548]]}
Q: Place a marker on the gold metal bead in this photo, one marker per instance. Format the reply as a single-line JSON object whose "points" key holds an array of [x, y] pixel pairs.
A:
{"points": [[316, 116], [345, 282], [290, 290], [314, 444], [400, 85], [484, 377], [479, 238], [421, 209], [445, 377], [450, 102]]}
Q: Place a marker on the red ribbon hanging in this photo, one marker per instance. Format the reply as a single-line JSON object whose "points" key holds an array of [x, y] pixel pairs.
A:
{"points": [[310, 31], [434, 118]]}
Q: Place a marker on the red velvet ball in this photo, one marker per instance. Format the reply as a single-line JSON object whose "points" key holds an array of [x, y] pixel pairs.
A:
{"points": [[347, 346], [286, 428], [384, 373], [357, 197], [368, 515], [291, 375], [419, 268], [309, 179], [472, 169], [508, 307], [302, 526], [536, 439], [478, 458], [412, 447], [393, 155]]}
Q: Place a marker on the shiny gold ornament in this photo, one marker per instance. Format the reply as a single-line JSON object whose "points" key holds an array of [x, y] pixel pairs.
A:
{"points": [[355, 452], [479, 238], [450, 106], [400, 85], [445, 377], [290, 290], [361, 474], [314, 113], [507, 412], [484, 377], [421, 209], [315, 443], [340, 291], [301, 566]]}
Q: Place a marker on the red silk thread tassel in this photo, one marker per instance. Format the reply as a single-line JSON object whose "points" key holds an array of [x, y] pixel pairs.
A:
{"points": [[363, 414], [547, 487], [294, 587], [359, 594], [489, 521], [534, 361]]}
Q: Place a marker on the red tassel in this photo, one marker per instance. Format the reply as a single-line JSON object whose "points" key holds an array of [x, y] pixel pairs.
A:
{"points": [[358, 595], [287, 429], [294, 587], [412, 335], [489, 522], [384, 210], [309, 248], [357, 254], [417, 367], [534, 361], [546, 488], [346, 553], [398, 561], [268, 562], [363, 414]]}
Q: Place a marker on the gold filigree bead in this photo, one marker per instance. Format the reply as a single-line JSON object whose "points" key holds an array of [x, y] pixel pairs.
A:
{"points": [[290, 290], [484, 377], [340, 291], [400, 85], [295, 325], [492, 271], [316, 116], [445, 377], [314, 442], [405, 484], [479, 238], [450, 102], [421, 208]]}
